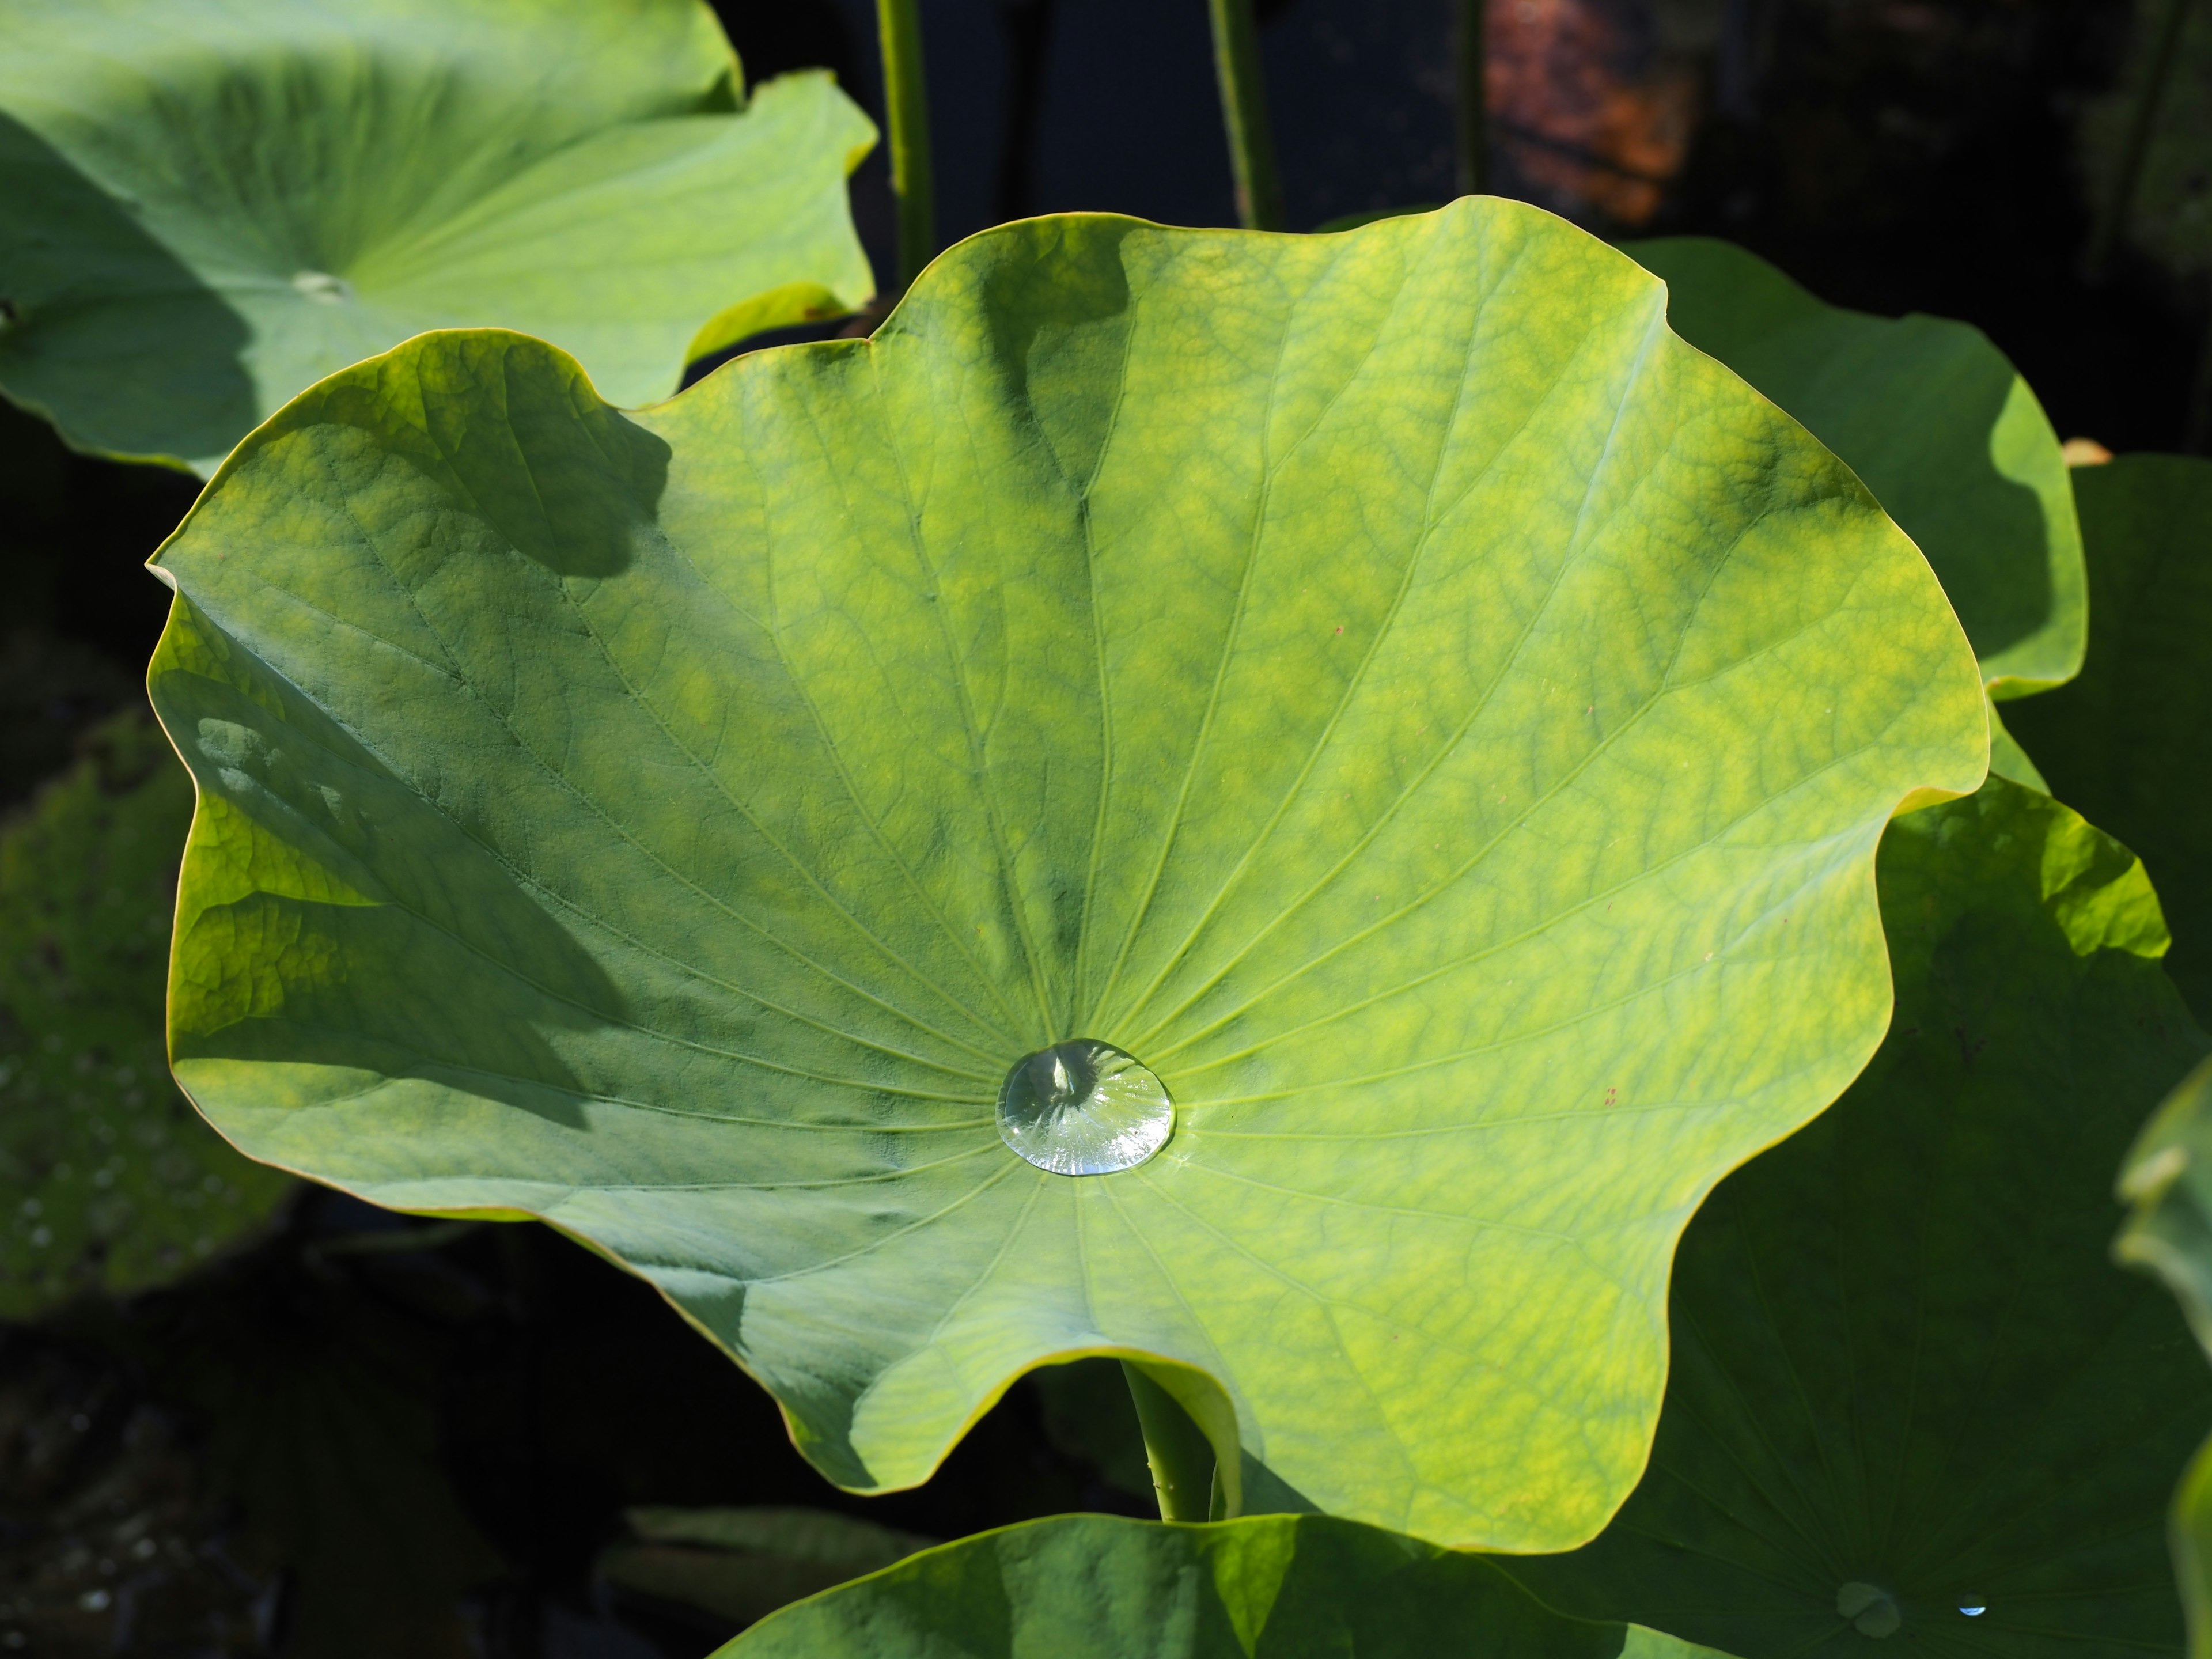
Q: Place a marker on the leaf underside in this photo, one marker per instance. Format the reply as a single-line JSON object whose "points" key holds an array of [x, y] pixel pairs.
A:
{"points": [[213, 203], [1433, 718]]}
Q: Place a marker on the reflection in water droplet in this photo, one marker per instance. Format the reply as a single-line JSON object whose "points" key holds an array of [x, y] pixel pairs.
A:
{"points": [[1972, 1605], [1084, 1107], [321, 285], [1871, 1611]]}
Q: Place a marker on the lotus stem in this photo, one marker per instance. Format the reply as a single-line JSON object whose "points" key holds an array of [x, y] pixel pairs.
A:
{"points": [[2127, 176], [906, 109], [1244, 112], [1181, 1456], [1472, 111]]}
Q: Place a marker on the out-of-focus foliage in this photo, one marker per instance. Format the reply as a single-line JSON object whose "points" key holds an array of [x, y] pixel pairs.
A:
{"points": [[213, 203], [109, 1180], [2171, 217]]}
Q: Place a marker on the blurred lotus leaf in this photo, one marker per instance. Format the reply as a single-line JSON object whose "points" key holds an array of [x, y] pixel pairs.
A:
{"points": [[109, 1180], [214, 204], [743, 1564]]}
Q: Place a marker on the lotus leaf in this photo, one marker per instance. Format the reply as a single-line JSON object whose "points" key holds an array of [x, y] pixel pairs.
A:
{"points": [[213, 203], [741, 1564], [1938, 424], [1277, 1587], [1434, 721], [2191, 1534], [1910, 1395], [2126, 742], [109, 1180]]}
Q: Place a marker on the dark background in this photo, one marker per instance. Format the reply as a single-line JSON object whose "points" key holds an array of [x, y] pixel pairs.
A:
{"points": [[364, 1438]]}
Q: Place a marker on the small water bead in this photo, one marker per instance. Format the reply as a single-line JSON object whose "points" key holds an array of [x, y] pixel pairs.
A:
{"points": [[321, 285], [1084, 1107], [1972, 1605], [1872, 1610]]}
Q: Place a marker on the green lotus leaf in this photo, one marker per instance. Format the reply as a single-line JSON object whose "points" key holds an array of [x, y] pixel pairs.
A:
{"points": [[1908, 1380], [1273, 1587], [741, 1564], [2168, 1185], [1937, 422], [2125, 744], [2191, 1535], [109, 1180], [214, 204], [1433, 727], [2169, 1233]]}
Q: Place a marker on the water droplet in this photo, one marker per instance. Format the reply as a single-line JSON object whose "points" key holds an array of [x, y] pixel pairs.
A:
{"points": [[1871, 1611], [1084, 1107], [1973, 1606], [321, 285]]}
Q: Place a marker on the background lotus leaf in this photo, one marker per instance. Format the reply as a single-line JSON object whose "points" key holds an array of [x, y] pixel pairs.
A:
{"points": [[1277, 1587], [1938, 424], [109, 1180], [1435, 720], [1904, 1361], [741, 1564], [213, 203], [2191, 1532], [2168, 1233], [2126, 744]]}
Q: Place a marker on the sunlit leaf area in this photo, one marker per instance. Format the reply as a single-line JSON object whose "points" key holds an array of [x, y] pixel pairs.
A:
{"points": [[1017, 829]]}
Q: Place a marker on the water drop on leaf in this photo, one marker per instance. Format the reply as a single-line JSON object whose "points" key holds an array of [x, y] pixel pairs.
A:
{"points": [[1084, 1107]]}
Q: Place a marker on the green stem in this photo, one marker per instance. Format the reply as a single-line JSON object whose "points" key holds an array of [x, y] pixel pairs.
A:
{"points": [[1472, 110], [1244, 112], [905, 107], [2112, 213], [1181, 1456]]}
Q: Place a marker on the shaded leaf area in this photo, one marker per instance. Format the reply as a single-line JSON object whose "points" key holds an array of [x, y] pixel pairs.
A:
{"points": [[1089, 1415], [1938, 424], [109, 1180], [216, 202], [741, 1564], [1274, 1587], [1908, 1383], [676, 826], [2126, 742]]}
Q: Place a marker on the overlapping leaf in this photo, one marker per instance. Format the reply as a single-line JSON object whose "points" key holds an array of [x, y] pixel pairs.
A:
{"points": [[109, 1180], [2169, 1233], [1938, 424], [2126, 745], [1279, 1587], [1388, 683], [213, 203], [1910, 1395]]}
